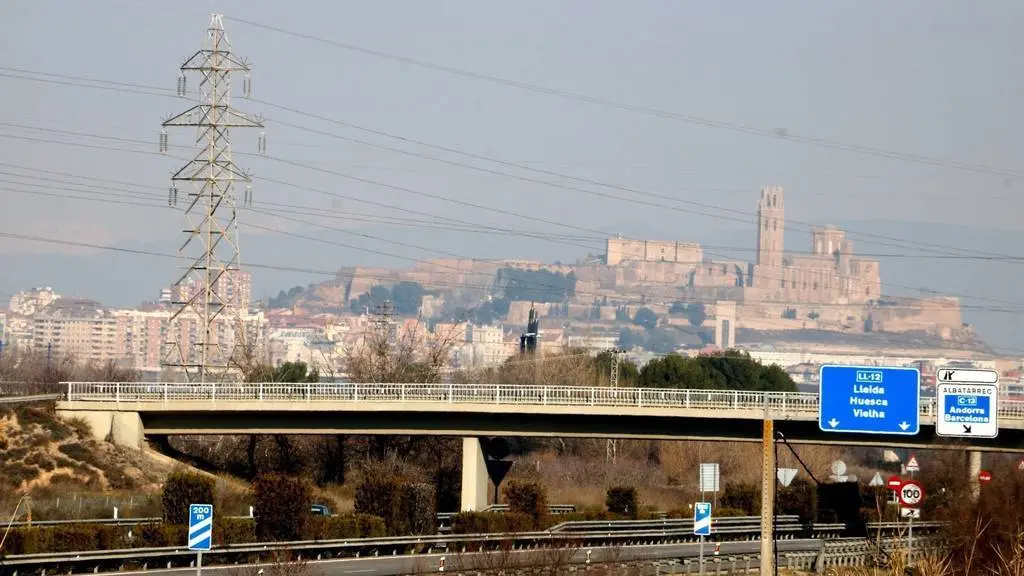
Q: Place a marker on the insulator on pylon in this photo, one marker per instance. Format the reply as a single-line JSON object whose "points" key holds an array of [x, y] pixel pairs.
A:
{"points": [[172, 196], [182, 84], [163, 141], [247, 85], [247, 196], [261, 144]]}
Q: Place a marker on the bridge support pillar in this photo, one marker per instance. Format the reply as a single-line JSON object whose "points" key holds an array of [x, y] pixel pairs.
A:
{"points": [[973, 471], [120, 428], [474, 476]]}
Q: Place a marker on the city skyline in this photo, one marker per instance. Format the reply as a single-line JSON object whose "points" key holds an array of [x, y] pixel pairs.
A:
{"points": [[645, 156]]}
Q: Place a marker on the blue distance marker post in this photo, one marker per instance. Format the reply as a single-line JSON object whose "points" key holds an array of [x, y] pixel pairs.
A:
{"points": [[870, 400], [702, 526], [200, 531]]}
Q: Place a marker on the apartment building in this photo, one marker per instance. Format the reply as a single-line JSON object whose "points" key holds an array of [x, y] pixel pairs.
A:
{"points": [[77, 328]]}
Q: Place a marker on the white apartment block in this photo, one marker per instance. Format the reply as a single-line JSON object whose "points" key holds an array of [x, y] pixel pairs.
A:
{"points": [[28, 302], [76, 328]]}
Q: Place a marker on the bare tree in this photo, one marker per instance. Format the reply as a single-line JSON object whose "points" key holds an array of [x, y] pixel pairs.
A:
{"points": [[407, 353]]}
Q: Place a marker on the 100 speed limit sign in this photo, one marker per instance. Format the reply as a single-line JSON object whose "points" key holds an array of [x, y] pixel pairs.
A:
{"points": [[911, 494]]}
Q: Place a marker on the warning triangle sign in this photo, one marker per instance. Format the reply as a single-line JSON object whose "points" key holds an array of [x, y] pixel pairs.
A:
{"points": [[912, 465]]}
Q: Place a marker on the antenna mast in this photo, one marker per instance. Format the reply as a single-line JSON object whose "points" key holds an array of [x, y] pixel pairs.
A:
{"points": [[203, 293]]}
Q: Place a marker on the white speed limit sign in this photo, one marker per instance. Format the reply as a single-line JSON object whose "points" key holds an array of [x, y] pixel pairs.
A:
{"points": [[911, 494]]}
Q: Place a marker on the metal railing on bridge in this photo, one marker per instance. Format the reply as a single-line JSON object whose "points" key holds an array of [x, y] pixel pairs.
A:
{"points": [[793, 405]]}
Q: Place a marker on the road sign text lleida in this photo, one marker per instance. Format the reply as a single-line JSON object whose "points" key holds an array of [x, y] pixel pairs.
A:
{"points": [[200, 527], [967, 410], [702, 519], [869, 400]]}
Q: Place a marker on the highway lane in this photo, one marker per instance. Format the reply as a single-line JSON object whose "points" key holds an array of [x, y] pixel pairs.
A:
{"points": [[399, 565]]}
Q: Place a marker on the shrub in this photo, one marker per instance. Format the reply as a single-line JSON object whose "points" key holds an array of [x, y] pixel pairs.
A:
{"points": [[281, 505], [233, 531], [622, 500], [341, 527], [182, 489], [746, 497], [417, 509], [406, 508], [491, 522], [800, 498], [379, 496], [528, 498]]}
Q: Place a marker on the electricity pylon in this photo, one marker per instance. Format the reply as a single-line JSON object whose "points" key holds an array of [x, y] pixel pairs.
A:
{"points": [[202, 293]]}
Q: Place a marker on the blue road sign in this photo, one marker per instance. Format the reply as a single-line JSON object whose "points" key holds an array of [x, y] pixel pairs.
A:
{"points": [[869, 400], [200, 527], [702, 519]]}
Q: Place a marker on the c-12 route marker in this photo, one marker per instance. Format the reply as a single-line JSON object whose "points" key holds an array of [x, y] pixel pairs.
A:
{"points": [[967, 402], [869, 400]]}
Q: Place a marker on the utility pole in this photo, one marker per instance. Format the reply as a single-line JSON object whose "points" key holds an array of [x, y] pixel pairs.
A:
{"points": [[612, 449], [384, 337], [201, 294]]}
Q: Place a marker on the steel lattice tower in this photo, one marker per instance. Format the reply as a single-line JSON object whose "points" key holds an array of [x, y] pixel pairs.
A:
{"points": [[211, 237]]}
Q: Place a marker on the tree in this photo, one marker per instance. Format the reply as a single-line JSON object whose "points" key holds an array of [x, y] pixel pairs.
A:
{"points": [[407, 298], [696, 314], [628, 339], [528, 498], [181, 489], [281, 506], [732, 370], [622, 500], [647, 318], [412, 356]]}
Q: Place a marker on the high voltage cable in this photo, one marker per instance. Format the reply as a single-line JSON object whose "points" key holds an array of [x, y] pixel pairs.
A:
{"points": [[762, 132], [904, 244], [915, 289], [124, 86], [303, 210]]}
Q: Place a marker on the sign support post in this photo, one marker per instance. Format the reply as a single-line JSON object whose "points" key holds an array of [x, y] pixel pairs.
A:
{"points": [[200, 531], [701, 527]]}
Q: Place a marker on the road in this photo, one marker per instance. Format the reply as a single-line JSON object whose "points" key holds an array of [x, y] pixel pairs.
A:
{"points": [[398, 565]]}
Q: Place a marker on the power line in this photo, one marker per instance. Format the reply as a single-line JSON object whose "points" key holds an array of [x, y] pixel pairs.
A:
{"points": [[770, 277], [774, 134], [851, 233], [347, 215]]}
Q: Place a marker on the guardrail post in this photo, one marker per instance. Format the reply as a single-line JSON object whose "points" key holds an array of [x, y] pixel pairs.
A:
{"points": [[355, 392], [260, 391], [401, 391], [213, 392], [165, 392], [545, 396], [451, 393], [117, 392]]}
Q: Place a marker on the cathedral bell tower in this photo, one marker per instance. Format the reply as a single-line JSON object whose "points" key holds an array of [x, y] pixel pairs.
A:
{"points": [[770, 226]]}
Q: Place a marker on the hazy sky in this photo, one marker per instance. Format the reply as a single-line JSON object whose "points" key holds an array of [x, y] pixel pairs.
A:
{"points": [[936, 79]]}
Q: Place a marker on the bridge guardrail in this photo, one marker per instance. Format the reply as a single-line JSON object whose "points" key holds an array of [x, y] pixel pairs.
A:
{"points": [[785, 404]]}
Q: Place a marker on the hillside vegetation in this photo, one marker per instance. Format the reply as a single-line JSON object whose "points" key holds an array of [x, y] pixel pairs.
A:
{"points": [[40, 450]]}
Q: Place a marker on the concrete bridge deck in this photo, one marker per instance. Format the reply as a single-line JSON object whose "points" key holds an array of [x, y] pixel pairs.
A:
{"points": [[483, 410]]}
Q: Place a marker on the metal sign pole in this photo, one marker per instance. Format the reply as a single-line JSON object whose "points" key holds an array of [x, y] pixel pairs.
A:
{"points": [[700, 561], [199, 564], [910, 541]]}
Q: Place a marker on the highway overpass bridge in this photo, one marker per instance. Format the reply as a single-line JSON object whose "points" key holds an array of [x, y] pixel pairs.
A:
{"points": [[125, 412]]}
